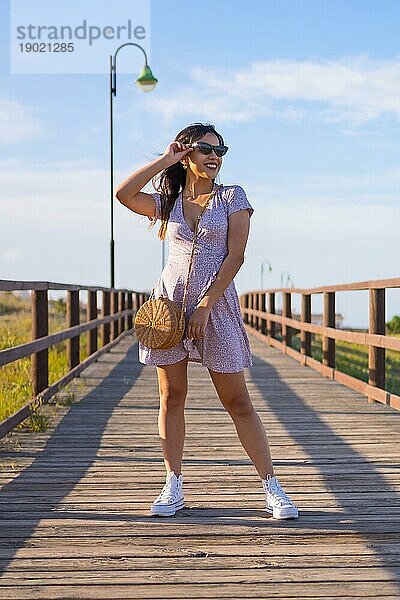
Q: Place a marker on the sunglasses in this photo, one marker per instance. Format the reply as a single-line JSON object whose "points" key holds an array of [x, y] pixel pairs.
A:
{"points": [[207, 148]]}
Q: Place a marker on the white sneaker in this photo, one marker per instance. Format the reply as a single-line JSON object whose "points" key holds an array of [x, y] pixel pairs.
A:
{"points": [[170, 498], [277, 502]]}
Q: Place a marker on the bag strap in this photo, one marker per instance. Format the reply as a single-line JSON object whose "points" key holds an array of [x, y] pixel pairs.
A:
{"points": [[194, 243], [213, 192]]}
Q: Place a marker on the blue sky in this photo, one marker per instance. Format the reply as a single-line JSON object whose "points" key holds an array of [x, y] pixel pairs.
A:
{"points": [[307, 96]]}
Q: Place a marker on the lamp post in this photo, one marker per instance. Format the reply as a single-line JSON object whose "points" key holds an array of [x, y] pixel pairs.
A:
{"points": [[262, 272], [146, 82], [288, 279]]}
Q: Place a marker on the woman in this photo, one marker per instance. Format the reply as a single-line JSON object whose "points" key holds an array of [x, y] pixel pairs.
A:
{"points": [[215, 336]]}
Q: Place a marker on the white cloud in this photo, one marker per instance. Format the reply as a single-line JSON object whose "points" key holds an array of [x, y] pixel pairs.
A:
{"points": [[379, 187], [189, 100], [10, 254], [17, 122], [354, 90], [60, 190], [55, 225]]}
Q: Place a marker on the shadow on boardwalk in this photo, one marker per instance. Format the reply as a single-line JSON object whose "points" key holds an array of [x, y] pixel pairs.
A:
{"points": [[336, 468], [60, 481]]}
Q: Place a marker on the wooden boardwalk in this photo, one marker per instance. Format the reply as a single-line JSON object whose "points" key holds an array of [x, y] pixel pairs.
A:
{"points": [[75, 504]]}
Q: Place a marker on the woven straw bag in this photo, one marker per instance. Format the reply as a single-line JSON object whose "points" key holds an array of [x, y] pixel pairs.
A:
{"points": [[160, 322]]}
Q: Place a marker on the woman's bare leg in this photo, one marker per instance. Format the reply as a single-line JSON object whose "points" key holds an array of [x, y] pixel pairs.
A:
{"points": [[232, 391], [172, 386]]}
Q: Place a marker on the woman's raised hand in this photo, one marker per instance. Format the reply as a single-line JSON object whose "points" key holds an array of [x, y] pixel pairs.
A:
{"points": [[175, 151]]}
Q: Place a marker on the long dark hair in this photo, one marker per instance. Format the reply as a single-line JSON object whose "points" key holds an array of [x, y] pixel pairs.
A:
{"points": [[170, 181]]}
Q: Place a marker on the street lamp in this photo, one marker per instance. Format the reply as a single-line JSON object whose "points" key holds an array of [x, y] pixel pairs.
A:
{"points": [[146, 82], [262, 271], [288, 279]]}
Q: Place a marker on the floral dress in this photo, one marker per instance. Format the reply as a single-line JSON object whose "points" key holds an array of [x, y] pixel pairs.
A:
{"points": [[225, 347]]}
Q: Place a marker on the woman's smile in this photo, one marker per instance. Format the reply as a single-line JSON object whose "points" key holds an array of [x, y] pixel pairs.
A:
{"points": [[212, 165]]}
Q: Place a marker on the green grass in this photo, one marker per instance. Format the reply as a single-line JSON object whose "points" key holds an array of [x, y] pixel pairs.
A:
{"points": [[352, 359], [15, 378]]}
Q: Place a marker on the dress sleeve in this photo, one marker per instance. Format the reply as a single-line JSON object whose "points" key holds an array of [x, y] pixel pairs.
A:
{"points": [[237, 200], [157, 199]]}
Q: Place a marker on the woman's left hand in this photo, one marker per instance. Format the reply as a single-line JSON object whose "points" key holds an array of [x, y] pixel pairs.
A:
{"points": [[197, 322]]}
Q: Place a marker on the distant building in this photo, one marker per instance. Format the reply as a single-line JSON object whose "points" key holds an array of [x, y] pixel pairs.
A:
{"points": [[22, 294], [316, 318]]}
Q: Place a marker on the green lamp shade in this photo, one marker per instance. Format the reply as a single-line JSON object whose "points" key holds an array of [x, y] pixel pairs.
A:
{"points": [[146, 80]]}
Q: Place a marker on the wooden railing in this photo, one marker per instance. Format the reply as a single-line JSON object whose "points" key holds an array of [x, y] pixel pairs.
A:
{"points": [[117, 311], [260, 316]]}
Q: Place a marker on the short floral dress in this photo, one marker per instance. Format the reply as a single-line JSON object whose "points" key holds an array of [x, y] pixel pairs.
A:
{"points": [[225, 347]]}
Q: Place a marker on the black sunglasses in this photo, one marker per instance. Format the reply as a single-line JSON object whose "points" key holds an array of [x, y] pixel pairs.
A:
{"points": [[207, 148]]}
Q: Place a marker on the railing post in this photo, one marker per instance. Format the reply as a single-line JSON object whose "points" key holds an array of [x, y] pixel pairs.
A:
{"points": [[305, 336], [246, 305], [135, 302], [135, 306], [257, 307], [114, 310], [40, 328], [73, 318], [271, 309], [105, 311], [328, 344], [263, 320], [121, 303], [129, 306], [287, 312], [251, 304], [91, 313], [376, 356]]}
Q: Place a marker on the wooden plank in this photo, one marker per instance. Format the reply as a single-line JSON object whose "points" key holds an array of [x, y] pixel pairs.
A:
{"points": [[74, 502], [213, 591], [198, 573], [315, 552]]}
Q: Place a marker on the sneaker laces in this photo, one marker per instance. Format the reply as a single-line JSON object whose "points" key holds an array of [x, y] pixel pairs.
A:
{"points": [[169, 490], [277, 493]]}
